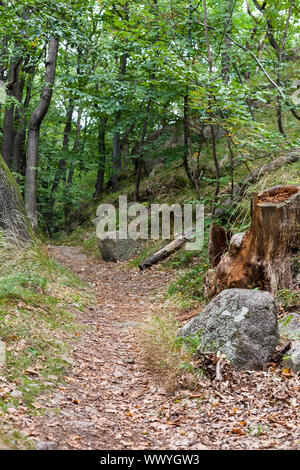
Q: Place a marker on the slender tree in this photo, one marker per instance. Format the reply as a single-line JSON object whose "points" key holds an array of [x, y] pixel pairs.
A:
{"points": [[34, 133]]}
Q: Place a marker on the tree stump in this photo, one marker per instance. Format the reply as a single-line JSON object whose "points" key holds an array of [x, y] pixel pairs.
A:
{"points": [[218, 243], [267, 256]]}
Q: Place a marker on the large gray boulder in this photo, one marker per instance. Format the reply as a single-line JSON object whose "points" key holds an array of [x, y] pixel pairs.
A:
{"points": [[118, 249], [242, 324]]}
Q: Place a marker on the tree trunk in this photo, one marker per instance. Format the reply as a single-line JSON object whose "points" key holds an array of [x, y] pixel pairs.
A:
{"points": [[61, 168], [75, 146], [19, 152], [225, 59], [102, 158], [140, 156], [186, 135], [218, 243], [7, 142], [124, 143], [267, 255], [18, 126], [212, 127], [116, 156], [164, 252], [167, 250], [34, 133], [8, 131], [13, 87], [116, 153]]}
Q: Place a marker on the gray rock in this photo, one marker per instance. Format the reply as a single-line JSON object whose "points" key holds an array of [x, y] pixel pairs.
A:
{"points": [[236, 243], [242, 324], [16, 394], [118, 249], [293, 357], [46, 445], [289, 326]]}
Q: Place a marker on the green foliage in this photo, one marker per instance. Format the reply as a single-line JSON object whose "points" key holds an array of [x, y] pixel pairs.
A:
{"points": [[288, 298], [164, 48], [189, 285]]}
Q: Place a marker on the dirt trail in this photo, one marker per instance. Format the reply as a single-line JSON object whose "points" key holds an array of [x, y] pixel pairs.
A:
{"points": [[112, 402]]}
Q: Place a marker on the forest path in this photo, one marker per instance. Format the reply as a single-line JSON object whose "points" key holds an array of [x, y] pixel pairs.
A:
{"points": [[110, 400]]}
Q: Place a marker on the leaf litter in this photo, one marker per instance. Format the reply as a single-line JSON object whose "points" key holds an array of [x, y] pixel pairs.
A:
{"points": [[111, 401]]}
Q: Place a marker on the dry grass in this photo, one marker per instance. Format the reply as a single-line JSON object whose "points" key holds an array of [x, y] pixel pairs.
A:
{"points": [[240, 217], [164, 353]]}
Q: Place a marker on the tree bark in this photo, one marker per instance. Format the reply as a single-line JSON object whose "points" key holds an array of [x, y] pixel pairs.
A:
{"points": [[212, 127], [279, 50], [218, 243], [102, 158], [75, 146], [19, 153], [34, 133], [18, 125], [167, 250], [163, 253], [8, 131], [116, 156], [267, 255], [61, 169], [186, 135], [140, 156]]}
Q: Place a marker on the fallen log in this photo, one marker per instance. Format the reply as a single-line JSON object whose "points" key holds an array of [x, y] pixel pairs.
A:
{"points": [[167, 250], [267, 255], [241, 188]]}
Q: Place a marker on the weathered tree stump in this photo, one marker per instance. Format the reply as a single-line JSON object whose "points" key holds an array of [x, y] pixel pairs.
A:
{"points": [[267, 256], [218, 243]]}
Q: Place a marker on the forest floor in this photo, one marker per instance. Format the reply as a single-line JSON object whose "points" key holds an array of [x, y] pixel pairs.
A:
{"points": [[111, 401]]}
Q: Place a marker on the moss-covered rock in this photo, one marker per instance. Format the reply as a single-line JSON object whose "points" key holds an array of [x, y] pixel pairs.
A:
{"points": [[242, 324], [13, 219]]}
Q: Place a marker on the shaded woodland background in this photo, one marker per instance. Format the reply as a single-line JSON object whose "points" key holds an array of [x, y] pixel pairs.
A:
{"points": [[101, 90]]}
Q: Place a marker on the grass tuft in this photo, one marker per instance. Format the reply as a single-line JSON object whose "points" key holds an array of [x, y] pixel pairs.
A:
{"points": [[169, 357]]}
